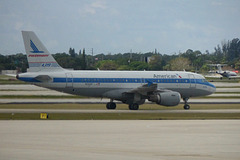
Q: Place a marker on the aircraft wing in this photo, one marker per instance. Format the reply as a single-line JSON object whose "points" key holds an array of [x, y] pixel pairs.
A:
{"points": [[144, 89], [141, 90]]}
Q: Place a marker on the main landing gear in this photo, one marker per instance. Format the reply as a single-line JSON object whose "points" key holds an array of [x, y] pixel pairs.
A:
{"points": [[186, 105], [133, 106], [111, 105]]}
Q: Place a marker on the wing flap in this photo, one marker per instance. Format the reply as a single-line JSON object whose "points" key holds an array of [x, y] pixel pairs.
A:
{"points": [[144, 89]]}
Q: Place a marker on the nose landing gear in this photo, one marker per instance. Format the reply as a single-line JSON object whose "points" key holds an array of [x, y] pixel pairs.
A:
{"points": [[186, 105]]}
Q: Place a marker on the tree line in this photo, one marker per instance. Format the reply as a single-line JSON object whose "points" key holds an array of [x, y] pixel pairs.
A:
{"points": [[228, 52]]}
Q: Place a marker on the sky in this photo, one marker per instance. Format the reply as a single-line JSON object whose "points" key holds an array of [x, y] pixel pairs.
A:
{"points": [[119, 26]]}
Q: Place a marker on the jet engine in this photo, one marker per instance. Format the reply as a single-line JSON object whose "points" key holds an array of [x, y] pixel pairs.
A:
{"points": [[168, 98]]}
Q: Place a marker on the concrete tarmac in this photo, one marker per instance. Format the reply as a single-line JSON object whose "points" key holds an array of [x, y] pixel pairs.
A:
{"points": [[116, 111], [129, 140]]}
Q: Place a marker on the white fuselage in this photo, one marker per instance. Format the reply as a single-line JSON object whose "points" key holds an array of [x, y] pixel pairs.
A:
{"points": [[112, 84], [131, 87]]}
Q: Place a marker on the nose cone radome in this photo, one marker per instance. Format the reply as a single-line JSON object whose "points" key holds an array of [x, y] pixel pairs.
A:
{"points": [[212, 88]]}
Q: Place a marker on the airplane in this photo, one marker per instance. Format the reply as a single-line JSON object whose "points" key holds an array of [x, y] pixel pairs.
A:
{"points": [[226, 73], [130, 87]]}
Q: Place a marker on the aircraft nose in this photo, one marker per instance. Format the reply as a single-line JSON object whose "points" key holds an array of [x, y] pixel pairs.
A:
{"points": [[212, 89]]}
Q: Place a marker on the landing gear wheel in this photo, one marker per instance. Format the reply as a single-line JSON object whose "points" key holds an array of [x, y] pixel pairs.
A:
{"points": [[186, 106], [133, 106], [111, 105]]}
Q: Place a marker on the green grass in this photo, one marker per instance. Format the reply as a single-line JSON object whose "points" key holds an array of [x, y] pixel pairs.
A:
{"points": [[39, 97], [119, 106], [217, 97], [224, 79], [228, 87], [118, 116], [227, 93], [19, 116], [4, 79]]}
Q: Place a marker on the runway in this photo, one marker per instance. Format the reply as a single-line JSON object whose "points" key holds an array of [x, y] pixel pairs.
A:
{"points": [[116, 111], [131, 140], [115, 139]]}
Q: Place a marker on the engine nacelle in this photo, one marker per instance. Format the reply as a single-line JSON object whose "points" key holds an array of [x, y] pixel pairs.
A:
{"points": [[168, 98]]}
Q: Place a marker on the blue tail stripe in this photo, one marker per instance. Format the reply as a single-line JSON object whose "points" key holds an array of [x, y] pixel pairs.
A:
{"points": [[34, 48]]}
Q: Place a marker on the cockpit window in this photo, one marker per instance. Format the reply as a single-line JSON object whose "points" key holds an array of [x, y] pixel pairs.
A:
{"points": [[204, 80]]}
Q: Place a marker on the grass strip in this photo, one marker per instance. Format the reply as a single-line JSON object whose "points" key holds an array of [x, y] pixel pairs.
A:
{"points": [[39, 97], [120, 116], [228, 87], [227, 93], [218, 97], [119, 106], [4, 79]]}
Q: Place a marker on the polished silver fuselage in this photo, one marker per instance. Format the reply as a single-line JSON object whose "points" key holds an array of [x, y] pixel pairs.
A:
{"points": [[112, 84]]}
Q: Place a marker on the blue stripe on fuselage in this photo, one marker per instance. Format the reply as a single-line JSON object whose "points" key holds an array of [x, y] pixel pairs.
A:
{"points": [[120, 80], [123, 80]]}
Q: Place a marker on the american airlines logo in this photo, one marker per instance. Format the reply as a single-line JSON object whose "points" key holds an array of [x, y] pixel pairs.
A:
{"points": [[164, 76], [34, 48]]}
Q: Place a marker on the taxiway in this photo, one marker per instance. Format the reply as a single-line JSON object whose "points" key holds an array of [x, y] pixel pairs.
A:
{"points": [[103, 140]]}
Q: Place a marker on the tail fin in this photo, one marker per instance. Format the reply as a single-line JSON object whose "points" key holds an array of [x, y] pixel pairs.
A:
{"points": [[219, 66], [39, 59]]}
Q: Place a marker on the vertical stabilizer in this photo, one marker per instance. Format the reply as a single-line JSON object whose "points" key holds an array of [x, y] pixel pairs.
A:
{"points": [[219, 66], [39, 59]]}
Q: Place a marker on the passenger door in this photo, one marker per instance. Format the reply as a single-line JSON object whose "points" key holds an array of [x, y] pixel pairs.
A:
{"points": [[192, 81], [69, 80]]}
